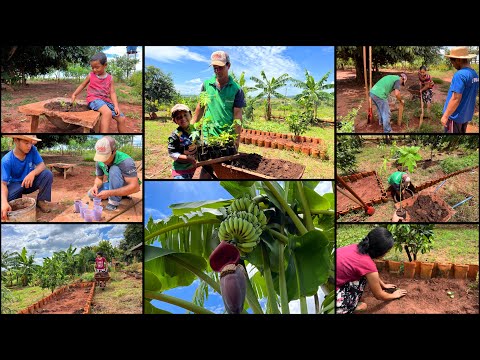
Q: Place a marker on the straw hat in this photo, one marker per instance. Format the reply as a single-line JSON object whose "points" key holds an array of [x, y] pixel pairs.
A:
{"points": [[24, 137], [460, 52]]}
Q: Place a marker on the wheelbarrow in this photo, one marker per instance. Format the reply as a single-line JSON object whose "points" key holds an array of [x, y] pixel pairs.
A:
{"points": [[101, 279], [435, 198]]}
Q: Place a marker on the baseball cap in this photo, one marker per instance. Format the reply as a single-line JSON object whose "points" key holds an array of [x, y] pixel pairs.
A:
{"points": [[104, 148], [219, 58], [404, 76], [179, 107]]}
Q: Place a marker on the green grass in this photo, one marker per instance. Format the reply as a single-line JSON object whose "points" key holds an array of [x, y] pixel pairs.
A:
{"points": [[452, 243], [27, 100], [127, 94], [158, 163], [122, 295], [132, 115], [452, 164], [6, 96], [26, 296], [437, 80]]}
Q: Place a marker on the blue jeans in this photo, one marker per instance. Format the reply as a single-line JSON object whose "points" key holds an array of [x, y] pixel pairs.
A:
{"points": [[383, 112], [97, 104], [43, 181], [116, 181]]}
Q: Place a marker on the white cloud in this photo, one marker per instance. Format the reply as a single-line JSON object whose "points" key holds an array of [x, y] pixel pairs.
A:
{"points": [[44, 240], [219, 309], [170, 54], [117, 51], [295, 304], [253, 59], [324, 187], [194, 81], [156, 214]]}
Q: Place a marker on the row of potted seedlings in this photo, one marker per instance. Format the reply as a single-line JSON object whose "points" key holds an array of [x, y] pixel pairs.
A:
{"points": [[427, 270], [52, 297], [309, 149], [433, 182], [277, 135]]}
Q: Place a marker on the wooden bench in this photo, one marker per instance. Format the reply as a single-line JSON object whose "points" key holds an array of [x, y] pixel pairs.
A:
{"points": [[64, 120], [62, 167]]}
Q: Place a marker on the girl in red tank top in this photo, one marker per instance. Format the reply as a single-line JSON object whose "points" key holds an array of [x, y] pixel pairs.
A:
{"points": [[101, 94]]}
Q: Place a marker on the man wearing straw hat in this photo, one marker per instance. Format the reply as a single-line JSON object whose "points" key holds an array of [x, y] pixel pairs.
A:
{"points": [[23, 172], [460, 103]]}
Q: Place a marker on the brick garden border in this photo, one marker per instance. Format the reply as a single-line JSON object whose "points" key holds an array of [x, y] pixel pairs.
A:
{"points": [[52, 297]]}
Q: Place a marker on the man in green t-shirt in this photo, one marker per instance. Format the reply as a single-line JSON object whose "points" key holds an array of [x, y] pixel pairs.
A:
{"points": [[122, 178], [399, 178], [226, 100], [379, 94]]}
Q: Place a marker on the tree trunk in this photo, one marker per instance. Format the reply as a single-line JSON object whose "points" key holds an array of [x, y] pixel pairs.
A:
{"points": [[269, 109]]}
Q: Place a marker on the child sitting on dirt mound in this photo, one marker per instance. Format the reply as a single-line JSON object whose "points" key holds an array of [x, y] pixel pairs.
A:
{"points": [[101, 94], [356, 268], [101, 264], [180, 147]]}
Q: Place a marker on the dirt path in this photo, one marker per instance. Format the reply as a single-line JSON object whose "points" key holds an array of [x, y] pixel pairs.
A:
{"points": [[71, 301], [350, 95], [76, 185], [426, 297], [13, 121]]}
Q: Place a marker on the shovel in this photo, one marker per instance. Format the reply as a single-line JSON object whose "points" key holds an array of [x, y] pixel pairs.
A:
{"points": [[421, 115], [368, 209], [400, 114]]}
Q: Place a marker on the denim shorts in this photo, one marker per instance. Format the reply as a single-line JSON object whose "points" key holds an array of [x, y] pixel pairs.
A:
{"points": [[97, 104]]}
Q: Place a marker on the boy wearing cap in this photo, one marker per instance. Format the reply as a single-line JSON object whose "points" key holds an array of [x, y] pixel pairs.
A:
{"points": [[180, 146], [122, 179], [379, 94], [399, 177], [23, 172], [460, 103], [226, 99]]}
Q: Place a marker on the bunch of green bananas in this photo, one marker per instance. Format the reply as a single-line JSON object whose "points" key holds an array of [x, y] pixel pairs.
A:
{"points": [[244, 224]]}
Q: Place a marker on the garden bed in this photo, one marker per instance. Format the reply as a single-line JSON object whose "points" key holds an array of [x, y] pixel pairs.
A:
{"points": [[367, 186], [426, 297], [272, 168], [71, 299]]}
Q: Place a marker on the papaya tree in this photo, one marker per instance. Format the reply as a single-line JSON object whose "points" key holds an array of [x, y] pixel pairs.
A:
{"points": [[281, 232]]}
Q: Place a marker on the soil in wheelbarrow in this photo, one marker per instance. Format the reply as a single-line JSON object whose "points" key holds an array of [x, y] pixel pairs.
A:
{"points": [[71, 301], [66, 107], [277, 168], [425, 297], [424, 209], [367, 188]]}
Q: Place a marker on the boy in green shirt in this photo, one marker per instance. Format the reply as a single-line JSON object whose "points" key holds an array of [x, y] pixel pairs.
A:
{"points": [[397, 178]]}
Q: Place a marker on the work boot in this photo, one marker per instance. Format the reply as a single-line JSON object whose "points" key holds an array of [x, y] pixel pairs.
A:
{"points": [[44, 206]]}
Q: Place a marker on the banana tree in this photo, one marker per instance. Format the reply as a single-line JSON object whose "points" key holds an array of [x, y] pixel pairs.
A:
{"points": [[289, 258]]}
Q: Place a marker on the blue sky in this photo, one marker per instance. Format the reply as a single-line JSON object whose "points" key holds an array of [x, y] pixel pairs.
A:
{"points": [[44, 240], [189, 65], [117, 51], [161, 194]]}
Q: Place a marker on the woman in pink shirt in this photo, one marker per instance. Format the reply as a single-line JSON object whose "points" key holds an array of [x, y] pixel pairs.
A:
{"points": [[101, 94], [355, 268]]}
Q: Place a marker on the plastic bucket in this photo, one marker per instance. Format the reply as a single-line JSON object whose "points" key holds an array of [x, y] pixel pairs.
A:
{"points": [[23, 210]]}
